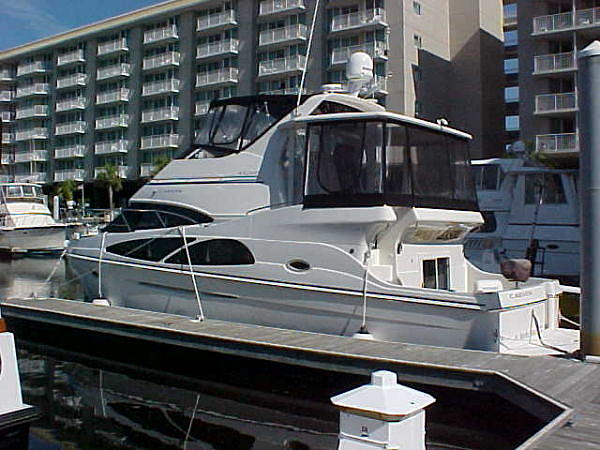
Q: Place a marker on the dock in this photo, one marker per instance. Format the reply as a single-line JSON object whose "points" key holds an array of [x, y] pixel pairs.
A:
{"points": [[564, 393]]}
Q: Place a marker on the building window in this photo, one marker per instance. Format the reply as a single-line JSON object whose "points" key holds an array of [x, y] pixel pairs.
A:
{"points": [[510, 11], [511, 123], [417, 74], [436, 273], [511, 38], [511, 94], [511, 66], [418, 41], [417, 8]]}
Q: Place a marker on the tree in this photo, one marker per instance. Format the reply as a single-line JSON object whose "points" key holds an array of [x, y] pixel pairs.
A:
{"points": [[160, 163], [66, 189], [110, 177]]}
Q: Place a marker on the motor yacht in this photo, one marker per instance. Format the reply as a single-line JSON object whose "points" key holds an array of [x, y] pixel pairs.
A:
{"points": [[26, 223], [530, 211], [333, 216]]}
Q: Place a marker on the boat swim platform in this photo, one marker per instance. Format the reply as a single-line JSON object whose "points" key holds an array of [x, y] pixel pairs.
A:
{"points": [[563, 393]]}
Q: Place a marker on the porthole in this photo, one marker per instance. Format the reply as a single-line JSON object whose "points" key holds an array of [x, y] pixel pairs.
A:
{"points": [[298, 265]]}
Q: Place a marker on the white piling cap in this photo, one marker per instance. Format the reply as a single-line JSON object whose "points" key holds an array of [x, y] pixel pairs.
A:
{"points": [[384, 397]]}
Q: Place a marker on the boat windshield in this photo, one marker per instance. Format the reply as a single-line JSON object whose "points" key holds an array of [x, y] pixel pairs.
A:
{"points": [[367, 163], [232, 125], [22, 192]]}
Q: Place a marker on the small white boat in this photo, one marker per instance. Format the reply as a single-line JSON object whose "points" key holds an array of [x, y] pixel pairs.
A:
{"points": [[26, 223], [531, 212]]}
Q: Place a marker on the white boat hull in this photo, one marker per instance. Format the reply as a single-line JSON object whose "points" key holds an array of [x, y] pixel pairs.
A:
{"points": [[49, 238]]}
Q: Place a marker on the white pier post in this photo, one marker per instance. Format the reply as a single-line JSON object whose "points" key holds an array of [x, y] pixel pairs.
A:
{"points": [[10, 386], [382, 415]]}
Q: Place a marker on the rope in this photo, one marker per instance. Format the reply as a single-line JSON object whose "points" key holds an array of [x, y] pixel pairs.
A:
{"points": [[189, 259], [187, 435], [100, 264], [53, 271], [310, 38], [363, 326]]}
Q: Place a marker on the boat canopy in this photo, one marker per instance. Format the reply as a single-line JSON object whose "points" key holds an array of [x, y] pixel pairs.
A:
{"points": [[387, 161]]}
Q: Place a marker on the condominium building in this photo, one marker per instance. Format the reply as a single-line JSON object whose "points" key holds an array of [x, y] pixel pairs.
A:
{"points": [[511, 73], [550, 34], [133, 89]]}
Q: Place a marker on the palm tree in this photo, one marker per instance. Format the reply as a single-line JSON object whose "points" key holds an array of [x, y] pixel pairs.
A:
{"points": [[160, 163], [66, 190], [111, 178]]}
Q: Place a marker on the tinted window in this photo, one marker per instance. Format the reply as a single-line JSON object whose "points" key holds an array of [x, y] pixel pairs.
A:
{"points": [[145, 219], [147, 249], [548, 185], [219, 252]]}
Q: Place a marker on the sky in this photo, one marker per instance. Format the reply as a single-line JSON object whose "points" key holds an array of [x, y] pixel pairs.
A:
{"points": [[23, 21]]}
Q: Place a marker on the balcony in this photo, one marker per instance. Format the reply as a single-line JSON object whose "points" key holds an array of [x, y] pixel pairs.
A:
{"points": [[118, 95], [78, 79], [34, 89], [77, 127], [114, 71], [34, 155], [160, 34], [160, 87], [6, 75], [377, 50], [359, 19], [70, 151], [116, 121], [162, 60], [6, 158], [32, 133], [121, 170], [295, 32], [271, 7], [286, 91], [108, 47], [281, 65], [70, 57], [584, 18], [33, 177], [556, 103], [220, 76], [69, 174], [510, 20], [211, 21], [70, 104], [7, 116], [7, 96], [106, 147], [554, 63], [33, 67], [159, 141], [557, 143], [146, 169], [201, 107], [217, 48], [8, 138], [166, 113]]}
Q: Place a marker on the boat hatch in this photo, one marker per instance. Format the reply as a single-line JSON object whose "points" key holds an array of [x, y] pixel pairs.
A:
{"points": [[355, 163]]}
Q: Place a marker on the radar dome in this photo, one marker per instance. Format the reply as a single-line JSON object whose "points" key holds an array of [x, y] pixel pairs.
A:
{"points": [[359, 66]]}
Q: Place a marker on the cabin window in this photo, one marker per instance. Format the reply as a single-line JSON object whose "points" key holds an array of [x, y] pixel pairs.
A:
{"points": [[487, 177], [436, 273], [489, 222], [147, 249], [548, 186], [165, 216], [214, 252]]}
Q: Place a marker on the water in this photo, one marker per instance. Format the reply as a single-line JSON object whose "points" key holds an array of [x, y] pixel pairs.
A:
{"points": [[110, 393]]}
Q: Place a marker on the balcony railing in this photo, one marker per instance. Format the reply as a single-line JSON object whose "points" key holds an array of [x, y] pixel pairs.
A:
{"points": [[281, 65], [162, 60], [217, 48], [7, 116], [71, 103], [70, 151], [375, 49], [283, 34], [34, 89], [8, 138], [69, 174], [510, 19], [116, 45], [120, 120], [146, 169], [216, 20], [32, 67], [6, 75], [159, 141], [116, 146], [71, 128], [358, 19], [32, 111], [555, 103], [557, 62], [7, 96], [225, 75], [34, 155], [276, 6], [6, 158], [118, 95], [158, 87], [121, 170], [78, 79], [557, 143], [202, 107], [32, 133], [70, 57], [117, 70], [582, 18], [166, 113], [33, 177], [160, 34], [286, 91]]}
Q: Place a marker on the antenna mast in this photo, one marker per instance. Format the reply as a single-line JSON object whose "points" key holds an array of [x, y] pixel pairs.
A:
{"points": [[310, 38]]}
